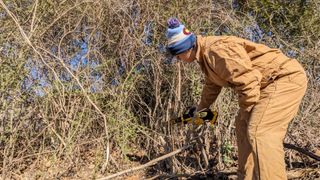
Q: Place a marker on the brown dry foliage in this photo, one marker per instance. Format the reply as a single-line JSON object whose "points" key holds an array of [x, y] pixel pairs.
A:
{"points": [[84, 83]]}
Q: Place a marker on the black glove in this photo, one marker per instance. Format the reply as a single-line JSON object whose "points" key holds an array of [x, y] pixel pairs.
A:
{"points": [[190, 112], [208, 115]]}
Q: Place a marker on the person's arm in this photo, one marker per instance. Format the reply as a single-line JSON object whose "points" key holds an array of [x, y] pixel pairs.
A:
{"points": [[209, 94], [233, 64]]}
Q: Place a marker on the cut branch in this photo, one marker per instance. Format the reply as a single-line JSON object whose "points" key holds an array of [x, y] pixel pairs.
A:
{"points": [[150, 163], [301, 150]]}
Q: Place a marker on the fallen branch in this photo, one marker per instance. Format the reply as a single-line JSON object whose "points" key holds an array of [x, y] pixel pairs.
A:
{"points": [[301, 150], [154, 161], [150, 163]]}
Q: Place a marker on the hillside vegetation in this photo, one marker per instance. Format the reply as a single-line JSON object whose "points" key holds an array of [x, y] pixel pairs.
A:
{"points": [[87, 88]]}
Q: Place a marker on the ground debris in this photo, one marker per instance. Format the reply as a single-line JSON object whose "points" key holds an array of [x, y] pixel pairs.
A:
{"points": [[304, 174]]}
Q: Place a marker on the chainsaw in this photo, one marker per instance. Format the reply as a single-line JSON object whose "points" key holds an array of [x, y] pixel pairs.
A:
{"points": [[198, 118]]}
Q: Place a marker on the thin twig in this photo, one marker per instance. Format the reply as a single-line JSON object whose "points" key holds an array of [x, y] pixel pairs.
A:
{"points": [[63, 14], [33, 18]]}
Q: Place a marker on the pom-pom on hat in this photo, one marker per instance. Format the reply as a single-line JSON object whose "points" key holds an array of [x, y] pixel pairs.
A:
{"points": [[180, 39]]}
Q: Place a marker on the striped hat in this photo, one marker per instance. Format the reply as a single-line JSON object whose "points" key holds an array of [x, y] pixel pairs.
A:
{"points": [[180, 39]]}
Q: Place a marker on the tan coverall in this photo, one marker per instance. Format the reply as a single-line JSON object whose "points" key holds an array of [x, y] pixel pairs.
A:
{"points": [[270, 87]]}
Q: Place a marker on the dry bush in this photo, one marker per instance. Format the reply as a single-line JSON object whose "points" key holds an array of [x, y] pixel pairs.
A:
{"points": [[85, 83]]}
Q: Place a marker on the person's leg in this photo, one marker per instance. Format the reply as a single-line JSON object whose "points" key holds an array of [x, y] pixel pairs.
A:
{"points": [[268, 123], [245, 158]]}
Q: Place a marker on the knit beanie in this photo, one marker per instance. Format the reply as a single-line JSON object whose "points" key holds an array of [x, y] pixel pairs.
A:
{"points": [[180, 39]]}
